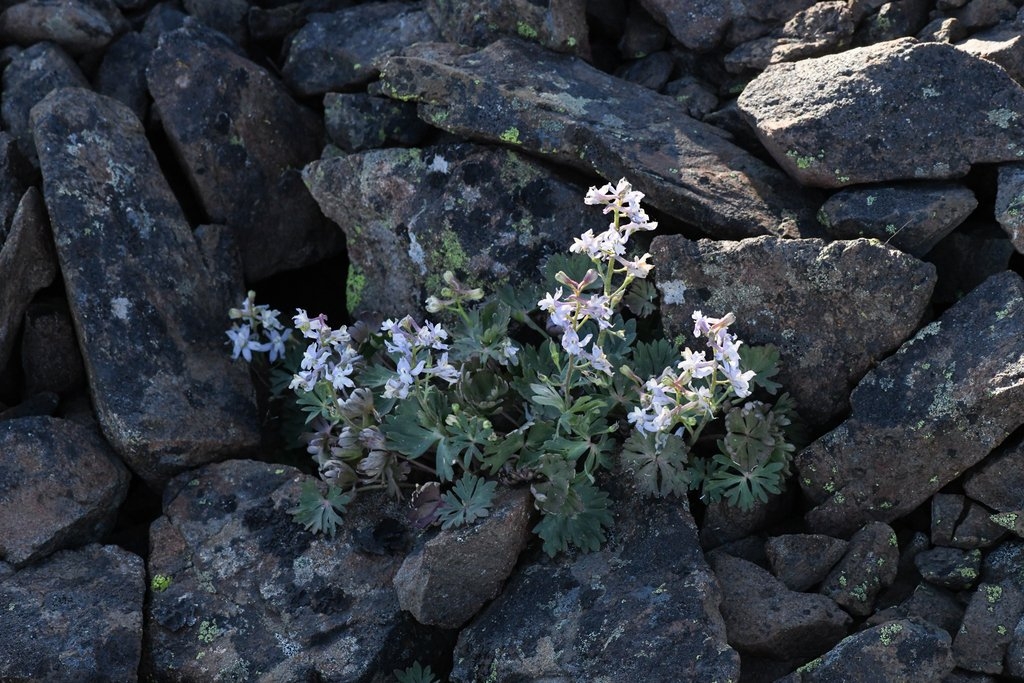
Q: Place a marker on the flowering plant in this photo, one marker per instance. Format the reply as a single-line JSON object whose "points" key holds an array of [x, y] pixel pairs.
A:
{"points": [[530, 388]]}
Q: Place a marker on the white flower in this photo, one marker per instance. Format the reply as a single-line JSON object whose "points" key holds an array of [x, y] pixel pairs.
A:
{"points": [[599, 360], [243, 342], [638, 267], [572, 343], [740, 381], [695, 364], [276, 342]]}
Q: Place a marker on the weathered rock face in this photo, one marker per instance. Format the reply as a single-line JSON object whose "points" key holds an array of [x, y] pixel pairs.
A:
{"points": [[832, 309], [243, 141], [559, 26], [75, 25], [564, 109], [956, 386], [165, 392], [837, 120]]}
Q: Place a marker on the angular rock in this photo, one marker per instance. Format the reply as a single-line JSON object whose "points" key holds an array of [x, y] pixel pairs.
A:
{"points": [[903, 650], [42, 404], [1001, 44], [27, 265], [15, 175], [166, 394], [911, 218], [1002, 564], [489, 215], [229, 17], [976, 528], [893, 20], [928, 603], [1010, 203], [695, 97], [122, 73], [949, 567], [50, 359], [243, 142], [868, 568], [978, 14], [643, 608], [702, 24], [77, 26], [650, 71], [724, 523], [999, 480], [281, 19], [75, 617], [765, 618], [801, 561], [514, 93], [455, 573], [947, 508], [558, 26], [345, 49], [955, 388], [41, 512], [940, 30], [248, 594], [357, 121], [988, 627], [822, 28], [846, 305], [966, 258], [834, 121], [31, 75]]}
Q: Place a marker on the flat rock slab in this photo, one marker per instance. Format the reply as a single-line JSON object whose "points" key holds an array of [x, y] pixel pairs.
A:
{"points": [[243, 142], [562, 108], [839, 120], [248, 594], [75, 617], [924, 415], [643, 608], [162, 383], [489, 215], [832, 309], [75, 25]]}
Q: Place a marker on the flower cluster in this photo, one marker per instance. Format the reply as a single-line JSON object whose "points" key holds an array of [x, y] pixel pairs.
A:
{"points": [[413, 345], [621, 200], [329, 355], [259, 330]]}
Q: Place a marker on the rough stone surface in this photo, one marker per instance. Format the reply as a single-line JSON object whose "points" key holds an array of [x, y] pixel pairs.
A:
{"points": [[75, 617], [562, 108], [911, 218], [27, 265], [76, 26], [122, 73], [254, 596], [999, 481], [835, 121], [949, 567], [226, 16], [988, 627], [50, 359], [763, 617], [954, 389], [927, 603], [801, 561], [1010, 203], [559, 26], [337, 51], [243, 141], [487, 214], [644, 607], [967, 257], [868, 568], [822, 28], [1003, 45], [455, 573], [976, 528], [170, 399], [67, 498], [832, 309], [15, 172], [357, 121]]}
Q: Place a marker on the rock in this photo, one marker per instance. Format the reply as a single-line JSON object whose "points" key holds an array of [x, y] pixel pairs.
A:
{"points": [[832, 121], [947, 508], [77, 26], [867, 569], [651, 71], [765, 618], [695, 97], [927, 603], [1002, 44], [15, 174], [999, 480], [357, 122], [27, 265], [345, 49], [31, 75], [976, 528], [978, 14], [902, 650], [801, 561], [249, 594], [948, 30], [643, 608], [955, 388], [447, 581], [563, 109], [641, 35], [242, 141], [281, 19], [698, 25], [949, 567], [1002, 564], [988, 626], [229, 17], [50, 359], [489, 215], [122, 73], [846, 305], [911, 218], [75, 617], [724, 523], [966, 258], [44, 403], [893, 20], [66, 499], [558, 26], [170, 399], [1010, 203]]}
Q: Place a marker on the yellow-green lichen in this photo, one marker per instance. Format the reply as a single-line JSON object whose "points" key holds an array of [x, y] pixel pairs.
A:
{"points": [[810, 666], [354, 286], [526, 31], [888, 632], [993, 594], [160, 583], [208, 631], [511, 136]]}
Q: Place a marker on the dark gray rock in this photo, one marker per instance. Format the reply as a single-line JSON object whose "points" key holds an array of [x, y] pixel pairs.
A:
{"points": [[43, 404], [50, 359], [251, 595], [1001, 44], [122, 73], [230, 17], [955, 388], [724, 523], [243, 142], [942, 30], [643, 608], [988, 626], [357, 122], [558, 26], [27, 265], [31, 75], [833, 121], [947, 508], [927, 603], [978, 14], [345, 49], [695, 97], [1010, 203], [41, 512], [75, 617], [832, 309], [281, 19], [489, 215], [561, 108], [1004, 564], [650, 71], [950, 567], [15, 175], [641, 35], [893, 20], [902, 650], [1014, 660], [450, 578], [697, 25], [163, 18], [170, 398], [223, 259], [868, 567], [76, 25], [801, 561], [976, 528], [911, 218], [967, 257], [999, 480]]}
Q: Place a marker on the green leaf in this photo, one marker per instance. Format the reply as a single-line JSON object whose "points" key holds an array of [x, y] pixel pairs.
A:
{"points": [[580, 521], [658, 472], [415, 674], [640, 298], [318, 512], [321, 402], [743, 488], [544, 395], [764, 361], [650, 359], [413, 429], [469, 500]]}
